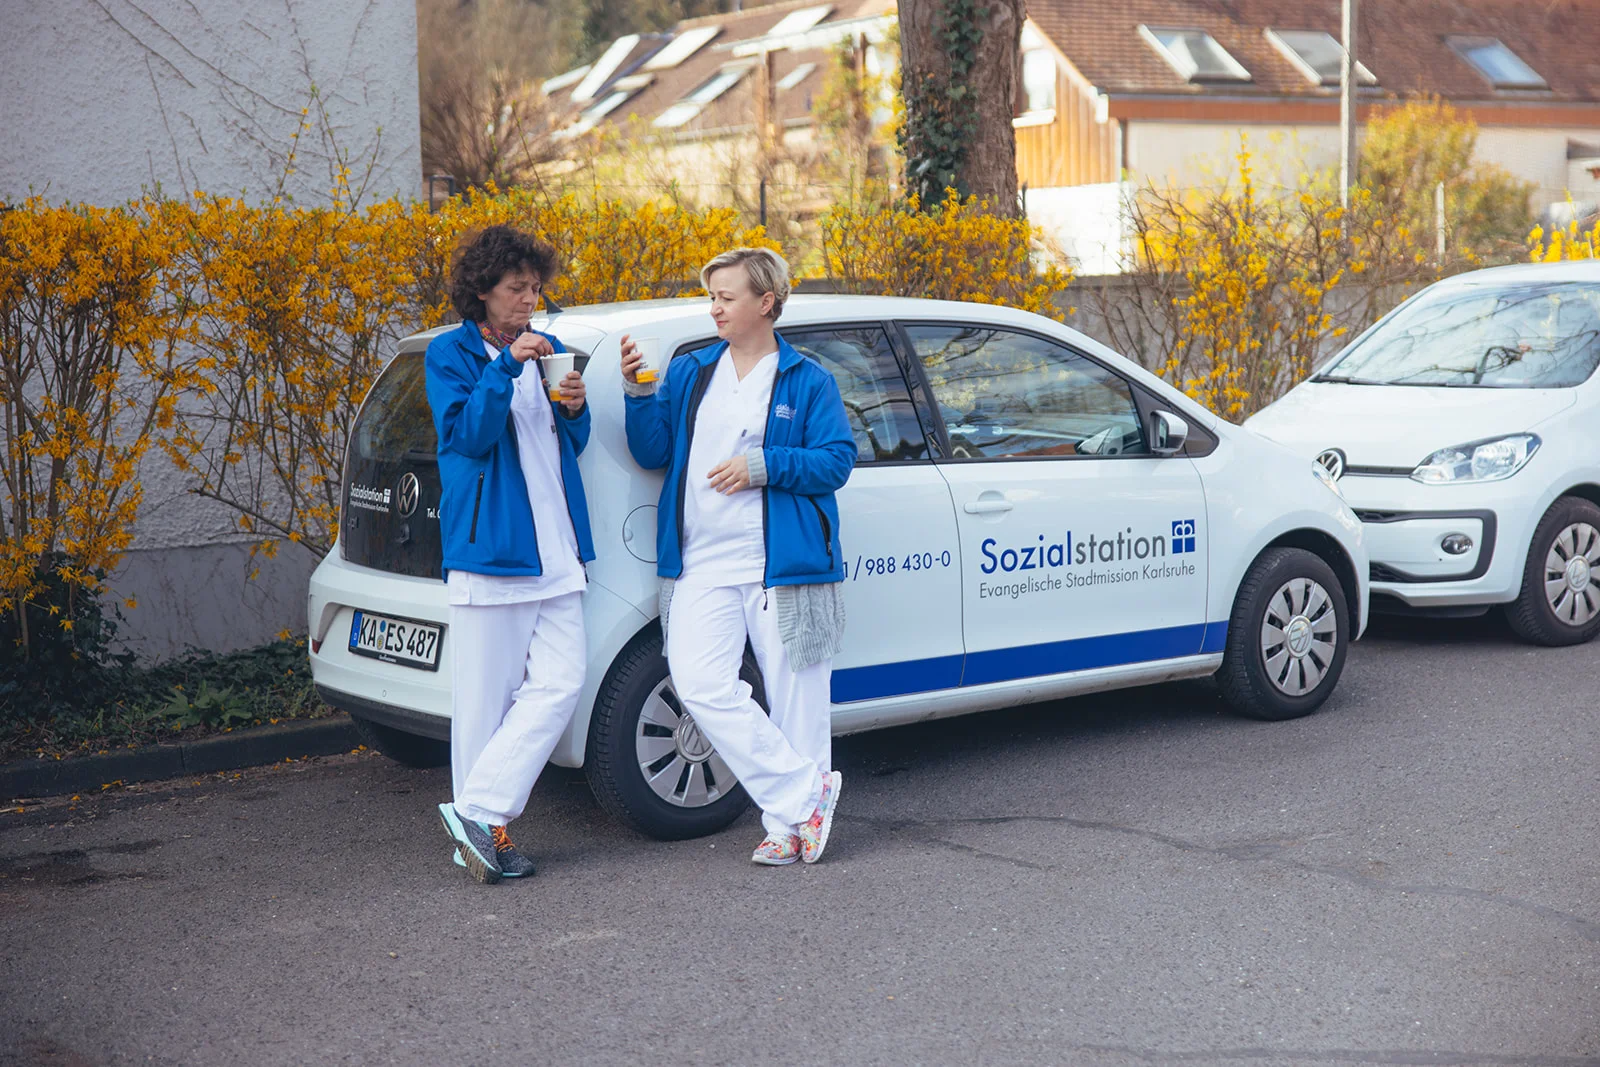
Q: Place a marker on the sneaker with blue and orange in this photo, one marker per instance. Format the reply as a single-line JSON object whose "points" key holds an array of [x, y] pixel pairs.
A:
{"points": [[513, 864]]}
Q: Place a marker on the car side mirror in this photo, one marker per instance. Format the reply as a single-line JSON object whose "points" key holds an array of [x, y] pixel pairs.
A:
{"points": [[1168, 433]]}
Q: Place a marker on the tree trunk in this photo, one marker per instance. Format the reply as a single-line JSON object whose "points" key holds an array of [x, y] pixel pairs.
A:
{"points": [[960, 77]]}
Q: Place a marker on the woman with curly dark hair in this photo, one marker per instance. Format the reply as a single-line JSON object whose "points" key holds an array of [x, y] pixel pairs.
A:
{"points": [[516, 537]]}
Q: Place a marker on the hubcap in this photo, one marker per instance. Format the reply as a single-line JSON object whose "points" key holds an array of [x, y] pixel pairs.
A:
{"points": [[1569, 566], [1299, 635], [674, 757]]}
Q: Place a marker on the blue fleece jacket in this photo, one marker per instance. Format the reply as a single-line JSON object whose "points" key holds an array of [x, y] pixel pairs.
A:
{"points": [[808, 452], [484, 513]]}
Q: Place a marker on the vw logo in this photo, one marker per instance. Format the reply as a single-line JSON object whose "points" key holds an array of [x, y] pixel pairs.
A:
{"points": [[409, 495], [1331, 461]]}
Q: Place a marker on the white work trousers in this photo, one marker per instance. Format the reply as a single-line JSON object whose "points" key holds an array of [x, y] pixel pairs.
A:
{"points": [[516, 670], [779, 760]]}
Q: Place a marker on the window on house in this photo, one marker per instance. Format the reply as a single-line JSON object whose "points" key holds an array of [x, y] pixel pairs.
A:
{"points": [[1317, 55], [696, 102], [800, 21], [1038, 80], [796, 76], [1194, 54], [604, 68], [682, 47], [621, 92], [561, 81], [1500, 65]]}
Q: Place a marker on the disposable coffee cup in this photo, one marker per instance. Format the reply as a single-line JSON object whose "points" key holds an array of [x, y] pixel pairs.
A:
{"points": [[555, 368], [650, 349]]}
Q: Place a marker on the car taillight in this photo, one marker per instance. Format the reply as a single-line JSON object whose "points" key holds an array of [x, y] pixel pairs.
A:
{"points": [[316, 645]]}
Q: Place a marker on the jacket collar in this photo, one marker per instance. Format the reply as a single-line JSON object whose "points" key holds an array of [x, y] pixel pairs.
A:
{"points": [[787, 355], [467, 337]]}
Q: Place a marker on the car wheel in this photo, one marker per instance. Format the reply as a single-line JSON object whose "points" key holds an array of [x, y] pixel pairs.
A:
{"points": [[648, 763], [1287, 637], [412, 750], [1560, 599]]}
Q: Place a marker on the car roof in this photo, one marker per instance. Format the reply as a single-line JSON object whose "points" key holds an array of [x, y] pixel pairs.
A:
{"points": [[1570, 270], [800, 308]]}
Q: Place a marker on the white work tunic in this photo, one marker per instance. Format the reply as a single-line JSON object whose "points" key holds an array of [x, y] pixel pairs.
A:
{"points": [[723, 539], [533, 418]]}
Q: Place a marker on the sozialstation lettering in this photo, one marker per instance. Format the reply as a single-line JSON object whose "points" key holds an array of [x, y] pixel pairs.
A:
{"points": [[1070, 562]]}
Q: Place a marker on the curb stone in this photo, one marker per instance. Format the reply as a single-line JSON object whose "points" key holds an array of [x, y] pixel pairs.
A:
{"points": [[246, 748]]}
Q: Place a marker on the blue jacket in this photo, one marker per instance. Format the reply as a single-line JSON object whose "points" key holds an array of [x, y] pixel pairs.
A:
{"points": [[808, 449], [484, 514]]}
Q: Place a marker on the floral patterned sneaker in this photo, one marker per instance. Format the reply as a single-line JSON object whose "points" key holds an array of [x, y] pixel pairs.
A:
{"points": [[778, 850], [814, 831]]}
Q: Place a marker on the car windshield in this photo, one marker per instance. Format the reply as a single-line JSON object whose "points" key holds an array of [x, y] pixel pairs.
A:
{"points": [[1539, 336]]}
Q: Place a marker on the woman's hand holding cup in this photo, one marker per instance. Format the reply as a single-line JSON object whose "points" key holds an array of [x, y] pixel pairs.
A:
{"points": [[573, 392], [632, 359]]}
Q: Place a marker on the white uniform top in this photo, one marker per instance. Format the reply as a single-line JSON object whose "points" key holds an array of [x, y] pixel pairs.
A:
{"points": [[534, 419], [723, 540]]}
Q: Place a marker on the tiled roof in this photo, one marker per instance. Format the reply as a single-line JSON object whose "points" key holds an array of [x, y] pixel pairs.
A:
{"points": [[735, 107], [1403, 43]]}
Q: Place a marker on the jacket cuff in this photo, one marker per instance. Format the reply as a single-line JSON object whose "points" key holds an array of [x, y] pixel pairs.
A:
{"points": [[639, 388], [512, 367], [757, 462]]}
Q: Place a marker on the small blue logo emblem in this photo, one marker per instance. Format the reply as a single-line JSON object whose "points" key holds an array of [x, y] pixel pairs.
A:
{"points": [[1183, 536]]}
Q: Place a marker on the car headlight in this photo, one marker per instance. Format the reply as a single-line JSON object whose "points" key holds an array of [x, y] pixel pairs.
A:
{"points": [[1325, 478], [1478, 461]]}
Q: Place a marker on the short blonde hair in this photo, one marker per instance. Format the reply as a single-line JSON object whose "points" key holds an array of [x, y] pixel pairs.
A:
{"points": [[768, 273]]}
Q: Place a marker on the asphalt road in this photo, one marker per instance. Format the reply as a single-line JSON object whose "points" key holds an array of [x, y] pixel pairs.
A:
{"points": [[1408, 877]]}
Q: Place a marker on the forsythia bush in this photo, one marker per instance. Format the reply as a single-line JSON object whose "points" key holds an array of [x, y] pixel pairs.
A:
{"points": [[241, 338], [957, 251], [1233, 288], [1570, 243], [91, 368]]}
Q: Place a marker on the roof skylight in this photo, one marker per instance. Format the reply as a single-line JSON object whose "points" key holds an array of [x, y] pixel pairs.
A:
{"points": [[1194, 54], [561, 81], [1504, 68], [690, 106], [682, 47], [796, 76], [1317, 55], [800, 21], [604, 68]]}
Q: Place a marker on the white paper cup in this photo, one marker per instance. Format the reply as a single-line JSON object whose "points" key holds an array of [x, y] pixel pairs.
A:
{"points": [[650, 349], [555, 367]]}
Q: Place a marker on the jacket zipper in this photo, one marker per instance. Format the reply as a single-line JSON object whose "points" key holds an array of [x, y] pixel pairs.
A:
{"points": [[827, 528], [766, 547], [696, 395], [472, 535]]}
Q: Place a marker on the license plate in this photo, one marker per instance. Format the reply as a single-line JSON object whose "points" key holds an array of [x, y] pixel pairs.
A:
{"points": [[404, 641]]}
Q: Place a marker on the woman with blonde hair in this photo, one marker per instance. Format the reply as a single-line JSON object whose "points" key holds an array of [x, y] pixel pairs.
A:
{"points": [[755, 442]]}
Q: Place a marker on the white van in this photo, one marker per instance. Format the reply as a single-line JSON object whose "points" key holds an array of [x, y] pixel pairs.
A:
{"points": [[1031, 516]]}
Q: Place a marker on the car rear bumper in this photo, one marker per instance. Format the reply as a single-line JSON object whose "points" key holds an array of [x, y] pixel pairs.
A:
{"points": [[421, 723]]}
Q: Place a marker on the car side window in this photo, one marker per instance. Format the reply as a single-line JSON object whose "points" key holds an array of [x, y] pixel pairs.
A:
{"points": [[876, 400], [1004, 393]]}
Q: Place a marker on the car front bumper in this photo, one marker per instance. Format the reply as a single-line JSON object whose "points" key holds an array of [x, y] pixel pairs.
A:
{"points": [[1406, 525]]}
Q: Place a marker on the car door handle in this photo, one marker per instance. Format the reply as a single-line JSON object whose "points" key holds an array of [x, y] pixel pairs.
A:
{"points": [[986, 507]]}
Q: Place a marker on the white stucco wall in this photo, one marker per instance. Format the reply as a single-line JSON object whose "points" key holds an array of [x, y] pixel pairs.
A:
{"points": [[101, 100], [1195, 153], [105, 97]]}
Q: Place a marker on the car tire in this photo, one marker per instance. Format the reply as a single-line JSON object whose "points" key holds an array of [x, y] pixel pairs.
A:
{"points": [[1560, 599], [1287, 637], [411, 750], [693, 793]]}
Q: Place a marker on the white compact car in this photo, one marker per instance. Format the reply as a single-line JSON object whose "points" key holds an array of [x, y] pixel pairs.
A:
{"points": [[1030, 517], [1464, 428]]}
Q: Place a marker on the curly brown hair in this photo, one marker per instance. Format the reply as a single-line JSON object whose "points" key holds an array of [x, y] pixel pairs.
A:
{"points": [[484, 258]]}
